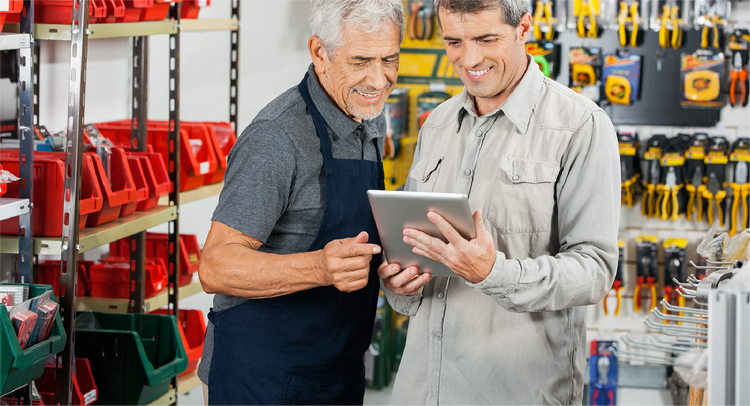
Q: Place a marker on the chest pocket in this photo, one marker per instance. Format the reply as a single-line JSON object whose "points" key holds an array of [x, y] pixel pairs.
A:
{"points": [[523, 198], [425, 173]]}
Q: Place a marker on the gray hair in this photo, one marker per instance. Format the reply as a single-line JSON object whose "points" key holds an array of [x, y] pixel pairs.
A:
{"points": [[328, 18], [512, 10]]}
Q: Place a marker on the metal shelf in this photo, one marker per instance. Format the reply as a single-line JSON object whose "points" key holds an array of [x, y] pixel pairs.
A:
{"points": [[11, 207], [195, 194], [169, 398], [9, 41], [90, 238], [188, 382], [105, 305], [61, 32]]}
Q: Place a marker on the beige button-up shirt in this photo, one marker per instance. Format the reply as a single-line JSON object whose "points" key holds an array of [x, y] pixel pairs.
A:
{"points": [[544, 170]]}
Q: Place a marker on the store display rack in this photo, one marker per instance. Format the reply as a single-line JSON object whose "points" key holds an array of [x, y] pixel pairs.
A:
{"points": [[22, 37]]}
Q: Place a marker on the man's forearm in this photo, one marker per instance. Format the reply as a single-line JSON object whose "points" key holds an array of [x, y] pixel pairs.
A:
{"points": [[238, 270]]}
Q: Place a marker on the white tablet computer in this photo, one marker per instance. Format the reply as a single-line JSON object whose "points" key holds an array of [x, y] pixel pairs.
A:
{"points": [[396, 210]]}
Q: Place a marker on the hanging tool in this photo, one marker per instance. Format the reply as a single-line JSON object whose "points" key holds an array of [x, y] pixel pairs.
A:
{"points": [[646, 268], [586, 9], [629, 165], [675, 269], [648, 206], [739, 83], [603, 395], [420, 20], [670, 16], [714, 193], [667, 200], [711, 22], [740, 192], [695, 193], [543, 12], [617, 285], [628, 15]]}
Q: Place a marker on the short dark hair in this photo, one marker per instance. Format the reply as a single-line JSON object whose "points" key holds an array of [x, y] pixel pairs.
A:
{"points": [[512, 10]]}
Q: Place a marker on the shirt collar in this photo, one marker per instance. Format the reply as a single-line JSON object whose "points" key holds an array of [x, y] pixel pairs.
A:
{"points": [[338, 122], [520, 103]]}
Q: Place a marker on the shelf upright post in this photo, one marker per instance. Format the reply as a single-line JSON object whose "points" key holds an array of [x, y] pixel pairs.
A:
{"points": [[72, 197], [234, 68], [138, 141], [26, 141], [173, 239]]}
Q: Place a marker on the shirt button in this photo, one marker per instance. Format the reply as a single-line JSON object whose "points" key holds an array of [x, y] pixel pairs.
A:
{"points": [[437, 337], [515, 178], [441, 295], [467, 172], [478, 133]]}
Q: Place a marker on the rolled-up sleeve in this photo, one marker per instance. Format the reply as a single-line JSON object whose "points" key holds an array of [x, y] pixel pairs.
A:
{"points": [[588, 209]]}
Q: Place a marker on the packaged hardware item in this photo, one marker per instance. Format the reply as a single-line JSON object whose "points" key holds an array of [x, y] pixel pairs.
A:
{"points": [[701, 77], [24, 322], [622, 78], [586, 71]]}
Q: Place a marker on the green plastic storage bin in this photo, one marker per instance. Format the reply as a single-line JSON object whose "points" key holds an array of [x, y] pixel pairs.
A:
{"points": [[19, 367], [133, 356]]}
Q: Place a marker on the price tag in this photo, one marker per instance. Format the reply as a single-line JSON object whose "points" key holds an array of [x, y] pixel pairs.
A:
{"points": [[204, 168]]}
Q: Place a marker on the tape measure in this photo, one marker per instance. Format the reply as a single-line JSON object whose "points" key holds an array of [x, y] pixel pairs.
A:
{"points": [[702, 85], [617, 89]]}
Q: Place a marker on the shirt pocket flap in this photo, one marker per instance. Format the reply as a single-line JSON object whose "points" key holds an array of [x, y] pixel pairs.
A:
{"points": [[425, 169], [524, 170]]}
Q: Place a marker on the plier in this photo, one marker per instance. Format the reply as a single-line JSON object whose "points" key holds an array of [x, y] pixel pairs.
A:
{"points": [[741, 190], [417, 14], [695, 193], [543, 12], [622, 22], [617, 287], [711, 21], [739, 76], [628, 185], [670, 16], [645, 276], [668, 201], [648, 208], [587, 9], [714, 192], [602, 395], [672, 270]]}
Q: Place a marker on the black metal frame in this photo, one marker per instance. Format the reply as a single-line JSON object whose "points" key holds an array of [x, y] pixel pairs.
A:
{"points": [[138, 141], [234, 64], [72, 197]]}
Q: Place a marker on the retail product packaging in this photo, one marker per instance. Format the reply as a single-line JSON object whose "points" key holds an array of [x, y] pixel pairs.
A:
{"points": [[547, 56], [428, 101], [603, 377], [700, 79], [11, 295], [24, 322], [397, 120], [622, 78], [586, 71]]}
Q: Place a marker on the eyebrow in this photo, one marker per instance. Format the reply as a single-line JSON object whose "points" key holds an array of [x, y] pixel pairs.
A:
{"points": [[366, 58], [473, 39]]}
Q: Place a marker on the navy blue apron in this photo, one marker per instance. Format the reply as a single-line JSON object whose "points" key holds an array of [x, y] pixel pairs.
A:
{"points": [[306, 347]]}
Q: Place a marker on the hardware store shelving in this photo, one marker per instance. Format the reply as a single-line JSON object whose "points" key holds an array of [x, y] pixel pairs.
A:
{"points": [[22, 36]]}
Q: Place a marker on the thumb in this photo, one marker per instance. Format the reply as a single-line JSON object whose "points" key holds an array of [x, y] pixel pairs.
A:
{"points": [[479, 223], [361, 238]]}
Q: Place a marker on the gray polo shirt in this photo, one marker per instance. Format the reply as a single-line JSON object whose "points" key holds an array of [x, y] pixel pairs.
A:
{"points": [[274, 187]]}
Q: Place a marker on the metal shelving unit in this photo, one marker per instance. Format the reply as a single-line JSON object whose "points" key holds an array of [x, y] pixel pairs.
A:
{"points": [[11, 207], [74, 241]]}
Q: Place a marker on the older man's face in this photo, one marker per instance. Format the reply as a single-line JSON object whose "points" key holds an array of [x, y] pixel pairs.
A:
{"points": [[362, 73]]}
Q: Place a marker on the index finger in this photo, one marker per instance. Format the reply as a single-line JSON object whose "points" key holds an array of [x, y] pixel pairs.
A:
{"points": [[445, 227]]}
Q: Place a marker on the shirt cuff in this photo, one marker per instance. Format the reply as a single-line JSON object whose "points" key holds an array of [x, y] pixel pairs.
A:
{"points": [[502, 279], [406, 305]]}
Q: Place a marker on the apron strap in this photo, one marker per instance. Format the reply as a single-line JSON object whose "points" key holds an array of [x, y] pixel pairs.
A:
{"points": [[320, 125]]}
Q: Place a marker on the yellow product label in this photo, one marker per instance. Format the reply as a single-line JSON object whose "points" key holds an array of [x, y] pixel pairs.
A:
{"points": [[621, 243], [627, 149], [647, 238], [672, 160], [697, 154], [743, 156], [676, 242], [652, 154], [716, 159]]}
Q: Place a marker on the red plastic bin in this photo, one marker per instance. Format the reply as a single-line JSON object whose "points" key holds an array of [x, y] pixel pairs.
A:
{"points": [[223, 138], [192, 328], [85, 391], [61, 12], [49, 273], [156, 247], [8, 8], [3, 186], [115, 10], [134, 9], [118, 189], [197, 159], [157, 177], [141, 185], [110, 278], [159, 11], [49, 185], [191, 8]]}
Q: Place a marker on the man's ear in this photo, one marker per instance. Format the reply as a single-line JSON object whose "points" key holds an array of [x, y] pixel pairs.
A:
{"points": [[318, 54], [525, 27]]}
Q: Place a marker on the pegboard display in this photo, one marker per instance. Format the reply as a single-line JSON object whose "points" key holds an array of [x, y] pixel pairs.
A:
{"points": [[659, 102]]}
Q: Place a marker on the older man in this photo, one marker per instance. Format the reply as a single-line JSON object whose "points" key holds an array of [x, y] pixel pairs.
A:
{"points": [[293, 250], [540, 165]]}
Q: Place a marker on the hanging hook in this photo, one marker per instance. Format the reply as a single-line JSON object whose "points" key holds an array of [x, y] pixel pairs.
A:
{"points": [[684, 284], [679, 309], [694, 320], [706, 267]]}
